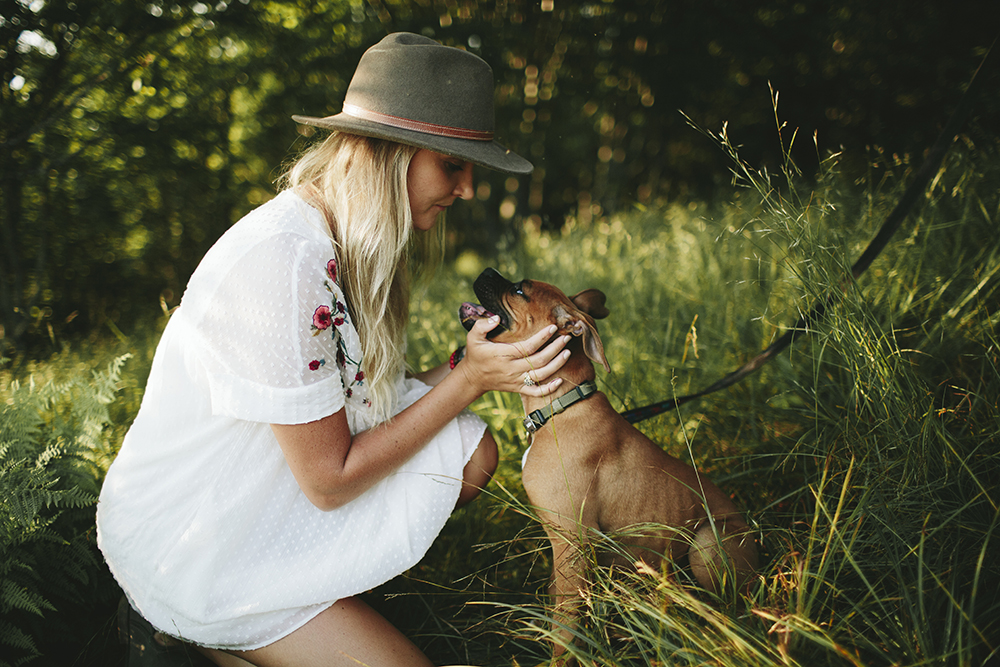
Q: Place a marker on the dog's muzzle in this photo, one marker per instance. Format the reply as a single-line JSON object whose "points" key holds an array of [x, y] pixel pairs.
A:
{"points": [[489, 286]]}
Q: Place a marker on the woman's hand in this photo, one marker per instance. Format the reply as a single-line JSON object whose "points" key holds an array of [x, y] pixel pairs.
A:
{"points": [[491, 366], [333, 467]]}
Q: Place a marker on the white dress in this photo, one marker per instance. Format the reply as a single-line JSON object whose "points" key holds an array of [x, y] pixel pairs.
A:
{"points": [[200, 519]]}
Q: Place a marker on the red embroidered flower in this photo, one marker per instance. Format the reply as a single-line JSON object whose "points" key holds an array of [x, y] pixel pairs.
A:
{"points": [[349, 392], [315, 364], [337, 321], [331, 269], [322, 317], [360, 376]]}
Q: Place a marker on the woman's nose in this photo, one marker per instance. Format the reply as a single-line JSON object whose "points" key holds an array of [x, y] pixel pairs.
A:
{"points": [[463, 187]]}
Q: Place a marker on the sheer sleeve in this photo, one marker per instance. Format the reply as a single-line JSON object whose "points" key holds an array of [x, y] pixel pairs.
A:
{"points": [[269, 334]]}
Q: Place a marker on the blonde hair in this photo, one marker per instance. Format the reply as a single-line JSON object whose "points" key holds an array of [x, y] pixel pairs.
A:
{"points": [[359, 184]]}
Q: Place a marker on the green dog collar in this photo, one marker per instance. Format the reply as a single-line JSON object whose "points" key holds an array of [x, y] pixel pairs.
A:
{"points": [[537, 419]]}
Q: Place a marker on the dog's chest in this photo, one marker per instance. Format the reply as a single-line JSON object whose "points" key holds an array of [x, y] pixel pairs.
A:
{"points": [[562, 474], [618, 483]]}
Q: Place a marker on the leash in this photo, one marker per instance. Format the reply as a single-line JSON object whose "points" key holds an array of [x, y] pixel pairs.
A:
{"points": [[927, 170]]}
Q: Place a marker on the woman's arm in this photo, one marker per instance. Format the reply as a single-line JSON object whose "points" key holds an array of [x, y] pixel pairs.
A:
{"points": [[433, 375], [333, 468]]}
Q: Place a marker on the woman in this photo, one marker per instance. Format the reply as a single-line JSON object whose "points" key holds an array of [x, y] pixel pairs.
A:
{"points": [[281, 463]]}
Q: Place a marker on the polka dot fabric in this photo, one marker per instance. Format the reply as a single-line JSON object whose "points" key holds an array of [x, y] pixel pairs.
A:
{"points": [[200, 519]]}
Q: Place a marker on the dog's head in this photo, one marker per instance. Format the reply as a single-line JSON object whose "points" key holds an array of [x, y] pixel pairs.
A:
{"points": [[525, 307]]}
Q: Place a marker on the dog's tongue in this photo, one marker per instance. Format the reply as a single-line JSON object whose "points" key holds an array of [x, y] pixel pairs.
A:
{"points": [[468, 313]]}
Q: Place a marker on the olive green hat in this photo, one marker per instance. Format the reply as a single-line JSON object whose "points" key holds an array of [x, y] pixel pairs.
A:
{"points": [[413, 90]]}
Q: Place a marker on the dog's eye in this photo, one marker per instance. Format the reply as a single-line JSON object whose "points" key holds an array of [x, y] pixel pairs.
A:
{"points": [[517, 290]]}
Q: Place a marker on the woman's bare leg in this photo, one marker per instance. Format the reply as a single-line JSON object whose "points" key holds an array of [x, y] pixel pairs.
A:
{"points": [[222, 658], [479, 470], [348, 634]]}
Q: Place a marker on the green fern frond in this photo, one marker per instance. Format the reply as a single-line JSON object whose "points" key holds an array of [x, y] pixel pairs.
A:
{"points": [[16, 638], [13, 596], [54, 450], [21, 490]]}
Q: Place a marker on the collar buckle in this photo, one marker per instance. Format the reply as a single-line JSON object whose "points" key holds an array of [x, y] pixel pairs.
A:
{"points": [[530, 425]]}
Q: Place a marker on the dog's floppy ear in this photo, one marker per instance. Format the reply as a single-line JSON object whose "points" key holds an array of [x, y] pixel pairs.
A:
{"points": [[577, 324], [591, 301]]}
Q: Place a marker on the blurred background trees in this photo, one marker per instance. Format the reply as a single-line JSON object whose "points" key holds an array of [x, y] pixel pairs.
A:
{"points": [[132, 134]]}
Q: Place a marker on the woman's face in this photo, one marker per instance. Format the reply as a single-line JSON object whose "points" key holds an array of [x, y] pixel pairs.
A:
{"points": [[433, 182]]}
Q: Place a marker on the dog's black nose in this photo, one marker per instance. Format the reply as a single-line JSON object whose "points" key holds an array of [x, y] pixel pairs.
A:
{"points": [[488, 287], [489, 282], [489, 274]]}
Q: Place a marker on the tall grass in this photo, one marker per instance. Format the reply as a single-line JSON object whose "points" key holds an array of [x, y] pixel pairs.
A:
{"points": [[865, 456]]}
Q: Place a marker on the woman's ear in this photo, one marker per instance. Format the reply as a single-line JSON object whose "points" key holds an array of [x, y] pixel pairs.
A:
{"points": [[591, 301]]}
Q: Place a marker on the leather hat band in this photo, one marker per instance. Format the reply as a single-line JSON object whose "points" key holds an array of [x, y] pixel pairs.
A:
{"points": [[416, 125]]}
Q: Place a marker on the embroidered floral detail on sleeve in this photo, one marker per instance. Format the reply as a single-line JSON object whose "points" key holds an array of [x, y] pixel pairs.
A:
{"points": [[332, 317], [322, 319]]}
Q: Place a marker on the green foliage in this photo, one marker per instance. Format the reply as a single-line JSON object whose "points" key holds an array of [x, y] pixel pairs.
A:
{"points": [[54, 450], [132, 134]]}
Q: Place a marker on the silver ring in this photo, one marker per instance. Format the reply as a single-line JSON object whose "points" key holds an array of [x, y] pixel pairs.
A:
{"points": [[528, 382]]}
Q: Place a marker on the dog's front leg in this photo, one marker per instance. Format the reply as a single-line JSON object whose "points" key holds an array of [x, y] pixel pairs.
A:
{"points": [[567, 591]]}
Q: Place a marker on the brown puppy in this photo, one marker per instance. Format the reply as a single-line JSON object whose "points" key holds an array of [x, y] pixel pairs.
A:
{"points": [[589, 470]]}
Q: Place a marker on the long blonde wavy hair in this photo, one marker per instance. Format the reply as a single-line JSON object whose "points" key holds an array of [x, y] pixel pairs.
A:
{"points": [[359, 184]]}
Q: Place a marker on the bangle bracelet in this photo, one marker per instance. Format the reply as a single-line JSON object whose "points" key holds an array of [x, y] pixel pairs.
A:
{"points": [[456, 357]]}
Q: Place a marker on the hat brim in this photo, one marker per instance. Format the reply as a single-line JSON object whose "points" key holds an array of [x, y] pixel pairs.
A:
{"points": [[489, 154]]}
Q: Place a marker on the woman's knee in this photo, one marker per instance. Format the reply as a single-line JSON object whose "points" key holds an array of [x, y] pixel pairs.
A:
{"points": [[347, 634], [488, 454]]}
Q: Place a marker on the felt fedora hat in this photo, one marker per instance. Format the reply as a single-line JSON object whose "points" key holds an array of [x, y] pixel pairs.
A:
{"points": [[413, 90]]}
